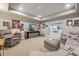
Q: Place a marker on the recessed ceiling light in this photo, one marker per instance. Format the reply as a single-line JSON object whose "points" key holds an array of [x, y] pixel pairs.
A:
{"points": [[39, 7], [68, 5], [40, 19], [20, 8], [39, 16], [36, 18]]}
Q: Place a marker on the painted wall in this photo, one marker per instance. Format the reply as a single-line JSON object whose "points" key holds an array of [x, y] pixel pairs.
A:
{"points": [[10, 17], [5, 27], [64, 26], [1, 24]]}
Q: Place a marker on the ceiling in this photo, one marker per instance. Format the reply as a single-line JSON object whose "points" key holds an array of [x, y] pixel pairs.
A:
{"points": [[41, 11]]}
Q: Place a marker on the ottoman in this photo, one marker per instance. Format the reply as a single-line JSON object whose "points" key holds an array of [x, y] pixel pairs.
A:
{"points": [[52, 45]]}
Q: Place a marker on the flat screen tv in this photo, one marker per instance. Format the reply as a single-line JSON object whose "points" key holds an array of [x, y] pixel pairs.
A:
{"points": [[32, 27]]}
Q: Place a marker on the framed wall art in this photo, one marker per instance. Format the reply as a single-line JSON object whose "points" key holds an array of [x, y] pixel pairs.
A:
{"points": [[15, 24], [6, 23], [22, 26], [69, 22], [76, 22]]}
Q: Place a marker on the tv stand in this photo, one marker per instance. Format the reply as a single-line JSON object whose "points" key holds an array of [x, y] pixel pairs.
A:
{"points": [[32, 34]]}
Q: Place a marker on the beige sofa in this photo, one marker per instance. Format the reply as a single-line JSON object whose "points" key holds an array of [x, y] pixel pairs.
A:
{"points": [[60, 52], [69, 49], [10, 39], [52, 45]]}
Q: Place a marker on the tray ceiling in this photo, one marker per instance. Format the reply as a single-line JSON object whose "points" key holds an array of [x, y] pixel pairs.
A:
{"points": [[41, 10]]}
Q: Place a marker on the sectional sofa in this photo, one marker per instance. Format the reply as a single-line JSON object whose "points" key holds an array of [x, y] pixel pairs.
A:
{"points": [[69, 46], [10, 39]]}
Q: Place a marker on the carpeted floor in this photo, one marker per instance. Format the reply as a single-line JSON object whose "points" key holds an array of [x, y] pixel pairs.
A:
{"points": [[26, 46]]}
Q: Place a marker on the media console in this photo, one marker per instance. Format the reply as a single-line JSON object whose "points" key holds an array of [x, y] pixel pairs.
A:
{"points": [[32, 34]]}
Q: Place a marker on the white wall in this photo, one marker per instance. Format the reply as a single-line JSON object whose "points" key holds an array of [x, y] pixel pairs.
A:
{"points": [[26, 25], [5, 27], [4, 6], [65, 28], [9, 17], [1, 24]]}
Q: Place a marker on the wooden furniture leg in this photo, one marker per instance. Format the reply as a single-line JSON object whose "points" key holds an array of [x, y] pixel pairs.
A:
{"points": [[3, 50], [2, 46]]}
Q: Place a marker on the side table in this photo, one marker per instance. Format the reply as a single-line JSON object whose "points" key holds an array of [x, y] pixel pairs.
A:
{"points": [[2, 40]]}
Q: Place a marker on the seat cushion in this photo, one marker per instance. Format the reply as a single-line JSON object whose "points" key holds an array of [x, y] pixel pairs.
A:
{"points": [[52, 42], [76, 51], [52, 45]]}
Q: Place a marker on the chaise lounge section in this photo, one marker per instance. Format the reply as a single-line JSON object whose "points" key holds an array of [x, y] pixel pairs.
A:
{"points": [[52, 45]]}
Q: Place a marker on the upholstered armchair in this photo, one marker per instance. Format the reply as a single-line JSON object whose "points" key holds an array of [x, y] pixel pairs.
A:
{"points": [[11, 39]]}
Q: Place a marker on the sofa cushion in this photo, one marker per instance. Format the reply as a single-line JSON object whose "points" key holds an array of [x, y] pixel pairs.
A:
{"points": [[76, 51], [75, 37], [50, 37], [52, 45], [4, 32], [52, 42], [8, 36], [74, 32], [63, 39], [71, 45]]}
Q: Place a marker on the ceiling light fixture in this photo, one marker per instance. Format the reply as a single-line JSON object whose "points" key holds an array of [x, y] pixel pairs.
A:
{"points": [[40, 19], [39, 7], [36, 18], [20, 8], [39, 16], [67, 5]]}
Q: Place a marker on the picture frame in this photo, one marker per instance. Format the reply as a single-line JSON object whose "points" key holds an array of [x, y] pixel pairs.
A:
{"points": [[6, 23], [45, 25], [69, 22], [22, 26], [15, 24], [76, 22]]}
